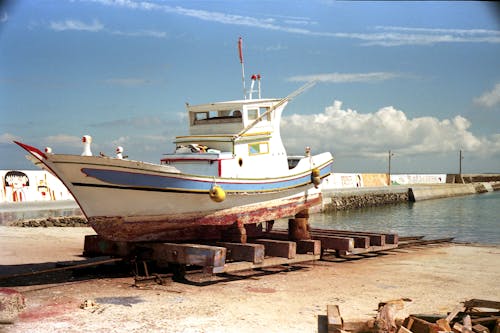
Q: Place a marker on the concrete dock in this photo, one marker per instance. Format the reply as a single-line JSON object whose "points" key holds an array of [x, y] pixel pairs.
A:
{"points": [[436, 278]]}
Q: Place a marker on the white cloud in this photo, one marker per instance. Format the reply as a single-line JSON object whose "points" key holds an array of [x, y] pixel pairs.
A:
{"points": [[8, 138], [348, 132], [63, 139], [65, 25], [4, 17], [345, 77], [489, 99], [97, 26], [140, 33], [391, 35]]}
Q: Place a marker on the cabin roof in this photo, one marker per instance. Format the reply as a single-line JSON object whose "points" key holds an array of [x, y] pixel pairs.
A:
{"points": [[230, 104]]}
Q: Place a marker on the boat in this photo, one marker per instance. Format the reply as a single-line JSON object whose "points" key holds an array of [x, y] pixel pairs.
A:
{"points": [[229, 176]]}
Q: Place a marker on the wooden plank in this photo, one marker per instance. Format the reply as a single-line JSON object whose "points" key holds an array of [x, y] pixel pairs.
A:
{"points": [[362, 240], [454, 313], [482, 303], [278, 248], [483, 320], [188, 254], [244, 252], [309, 246], [335, 321]]}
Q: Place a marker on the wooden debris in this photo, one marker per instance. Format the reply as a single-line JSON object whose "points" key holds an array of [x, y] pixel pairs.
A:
{"points": [[478, 328], [473, 316], [335, 321], [387, 313]]}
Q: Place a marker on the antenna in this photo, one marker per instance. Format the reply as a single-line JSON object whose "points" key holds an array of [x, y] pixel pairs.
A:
{"points": [[240, 50]]}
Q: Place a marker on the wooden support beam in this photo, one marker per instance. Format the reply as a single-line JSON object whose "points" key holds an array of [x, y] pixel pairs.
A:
{"points": [[189, 254], [309, 246], [278, 248], [335, 321], [336, 243], [361, 239], [244, 252]]}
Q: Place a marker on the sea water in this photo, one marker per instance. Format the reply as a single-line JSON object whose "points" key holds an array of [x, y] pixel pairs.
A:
{"points": [[471, 218]]}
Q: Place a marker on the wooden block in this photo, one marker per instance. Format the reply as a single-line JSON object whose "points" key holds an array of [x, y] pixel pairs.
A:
{"points": [[478, 328], [309, 246], [278, 248], [188, 254], [335, 322], [336, 243], [95, 245], [244, 252]]}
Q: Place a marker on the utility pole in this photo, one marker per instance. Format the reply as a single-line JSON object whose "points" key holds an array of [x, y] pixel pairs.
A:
{"points": [[389, 171], [460, 158]]}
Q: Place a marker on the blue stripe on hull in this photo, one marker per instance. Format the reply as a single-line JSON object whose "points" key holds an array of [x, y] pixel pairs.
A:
{"points": [[140, 180]]}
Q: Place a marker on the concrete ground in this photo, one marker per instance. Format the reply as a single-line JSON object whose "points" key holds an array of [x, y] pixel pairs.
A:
{"points": [[436, 278]]}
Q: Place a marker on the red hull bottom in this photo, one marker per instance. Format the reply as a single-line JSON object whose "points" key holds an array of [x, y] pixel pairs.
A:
{"points": [[210, 226]]}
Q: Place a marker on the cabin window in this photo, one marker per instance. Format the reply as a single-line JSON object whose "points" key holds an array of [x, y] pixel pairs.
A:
{"points": [[258, 148], [217, 117], [201, 115], [253, 114]]}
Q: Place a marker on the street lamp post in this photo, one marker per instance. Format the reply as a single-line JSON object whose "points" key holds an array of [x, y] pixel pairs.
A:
{"points": [[460, 163]]}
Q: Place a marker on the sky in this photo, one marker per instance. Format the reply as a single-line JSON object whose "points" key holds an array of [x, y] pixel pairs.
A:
{"points": [[419, 79]]}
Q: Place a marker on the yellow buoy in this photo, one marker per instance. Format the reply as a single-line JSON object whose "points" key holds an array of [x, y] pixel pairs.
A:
{"points": [[217, 194], [315, 172]]}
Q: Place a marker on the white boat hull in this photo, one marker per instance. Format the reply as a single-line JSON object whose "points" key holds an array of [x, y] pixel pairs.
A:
{"points": [[134, 201]]}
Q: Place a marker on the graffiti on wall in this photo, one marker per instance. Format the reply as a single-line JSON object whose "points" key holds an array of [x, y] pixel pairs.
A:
{"points": [[31, 185]]}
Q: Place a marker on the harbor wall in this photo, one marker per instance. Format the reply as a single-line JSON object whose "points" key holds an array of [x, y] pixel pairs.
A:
{"points": [[341, 191]]}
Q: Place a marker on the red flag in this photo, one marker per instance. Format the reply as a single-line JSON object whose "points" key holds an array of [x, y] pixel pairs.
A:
{"points": [[240, 49]]}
